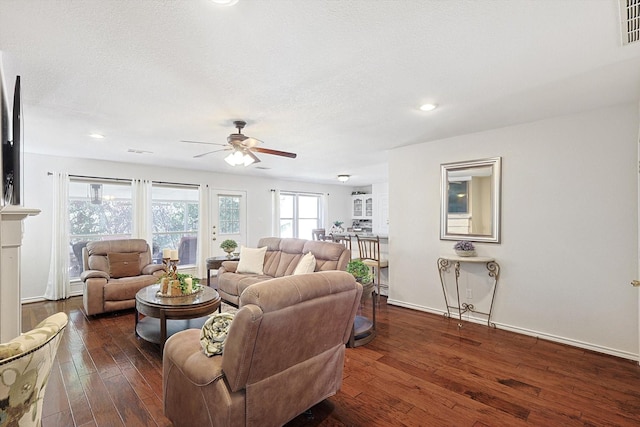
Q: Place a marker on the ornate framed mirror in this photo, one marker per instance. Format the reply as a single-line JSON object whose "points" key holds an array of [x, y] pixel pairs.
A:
{"points": [[470, 194]]}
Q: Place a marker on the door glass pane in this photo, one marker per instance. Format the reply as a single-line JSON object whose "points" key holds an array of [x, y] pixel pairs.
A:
{"points": [[229, 214]]}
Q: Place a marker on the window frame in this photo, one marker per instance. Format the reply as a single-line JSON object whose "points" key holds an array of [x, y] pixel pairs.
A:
{"points": [[295, 220]]}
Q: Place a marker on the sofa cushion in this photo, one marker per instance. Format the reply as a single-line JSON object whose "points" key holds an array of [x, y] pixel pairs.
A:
{"points": [[123, 264], [126, 287], [307, 264], [251, 260]]}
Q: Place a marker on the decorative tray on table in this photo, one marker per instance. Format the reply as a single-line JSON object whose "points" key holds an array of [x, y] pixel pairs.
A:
{"points": [[168, 294]]}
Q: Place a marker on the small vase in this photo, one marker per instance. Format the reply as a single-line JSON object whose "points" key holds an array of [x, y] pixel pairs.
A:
{"points": [[229, 252], [466, 253]]}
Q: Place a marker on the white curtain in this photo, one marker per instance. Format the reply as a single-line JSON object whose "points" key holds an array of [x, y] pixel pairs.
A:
{"points": [[324, 200], [203, 232], [275, 213], [141, 194], [58, 284]]}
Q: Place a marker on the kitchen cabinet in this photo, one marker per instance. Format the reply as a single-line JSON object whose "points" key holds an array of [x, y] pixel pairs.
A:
{"points": [[362, 206]]}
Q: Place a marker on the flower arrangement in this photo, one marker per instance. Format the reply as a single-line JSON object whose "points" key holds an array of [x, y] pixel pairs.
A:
{"points": [[464, 245], [338, 223], [229, 245], [465, 248], [360, 271], [178, 284]]}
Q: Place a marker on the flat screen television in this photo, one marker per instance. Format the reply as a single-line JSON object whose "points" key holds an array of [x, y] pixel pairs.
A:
{"points": [[11, 139], [11, 152]]}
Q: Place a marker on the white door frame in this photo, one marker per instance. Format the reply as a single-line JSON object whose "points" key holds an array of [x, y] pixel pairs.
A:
{"points": [[216, 238]]}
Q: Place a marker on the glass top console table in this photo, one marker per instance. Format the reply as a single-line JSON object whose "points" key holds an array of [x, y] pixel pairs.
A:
{"points": [[445, 262]]}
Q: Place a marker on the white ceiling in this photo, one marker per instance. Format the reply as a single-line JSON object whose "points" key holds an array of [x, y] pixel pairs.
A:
{"points": [[337, 82]]}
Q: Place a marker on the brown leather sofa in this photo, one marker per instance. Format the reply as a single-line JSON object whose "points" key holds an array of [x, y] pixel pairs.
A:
{"points": [[114, 271], [284, 353], [281, 259]]}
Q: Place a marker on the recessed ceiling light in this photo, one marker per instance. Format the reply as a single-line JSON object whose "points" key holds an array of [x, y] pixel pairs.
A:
{"points": [[428, 107], [343, 178], [96, 136], [225, 2]]}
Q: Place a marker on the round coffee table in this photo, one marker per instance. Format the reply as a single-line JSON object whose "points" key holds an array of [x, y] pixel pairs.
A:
{"points": [[164, 316]]}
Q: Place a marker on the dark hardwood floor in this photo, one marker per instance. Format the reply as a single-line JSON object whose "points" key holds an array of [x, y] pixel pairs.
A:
{"points": [[421, 370]]}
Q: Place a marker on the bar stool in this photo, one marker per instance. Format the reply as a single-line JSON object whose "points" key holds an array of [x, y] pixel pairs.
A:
{"points": [[369, 248]]}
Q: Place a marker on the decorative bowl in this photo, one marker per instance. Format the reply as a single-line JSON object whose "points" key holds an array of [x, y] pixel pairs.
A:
{"points": [[466, 253]]}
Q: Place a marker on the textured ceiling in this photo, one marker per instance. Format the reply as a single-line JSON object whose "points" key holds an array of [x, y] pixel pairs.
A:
{"points": [[337, 82]]}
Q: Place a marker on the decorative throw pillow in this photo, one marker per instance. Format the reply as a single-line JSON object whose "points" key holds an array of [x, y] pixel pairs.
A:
{"points": [[307, 264], [123, 264], [214, 332], [251, 260]]}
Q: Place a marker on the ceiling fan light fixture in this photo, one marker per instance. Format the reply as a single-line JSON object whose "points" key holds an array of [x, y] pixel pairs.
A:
{"points": [[238, 157], [247, 160], [343, 178]]}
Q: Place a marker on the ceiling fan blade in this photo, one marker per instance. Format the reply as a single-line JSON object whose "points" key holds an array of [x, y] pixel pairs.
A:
{"points": [[202, 142], [209, 152], [275, 152]]}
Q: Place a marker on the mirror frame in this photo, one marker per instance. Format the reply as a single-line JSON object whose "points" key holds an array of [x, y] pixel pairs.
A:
{"points": [[496, 183]]}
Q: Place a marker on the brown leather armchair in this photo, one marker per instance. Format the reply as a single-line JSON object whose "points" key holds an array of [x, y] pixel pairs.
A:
{"points": [[114, 271], [284, 353]]}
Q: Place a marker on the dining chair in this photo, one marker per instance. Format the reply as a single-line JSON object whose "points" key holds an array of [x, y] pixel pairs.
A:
{"points": [[369, 248], [343, 239], [318, 234]]}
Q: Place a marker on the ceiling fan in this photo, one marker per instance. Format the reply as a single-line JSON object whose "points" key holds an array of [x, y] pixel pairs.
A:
{"points": [[242, 148]]}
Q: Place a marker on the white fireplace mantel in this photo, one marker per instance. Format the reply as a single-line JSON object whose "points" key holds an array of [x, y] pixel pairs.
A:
{"points": [[11, 231]]}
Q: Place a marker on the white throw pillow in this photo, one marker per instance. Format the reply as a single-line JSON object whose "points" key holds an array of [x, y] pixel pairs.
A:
{"points": [[307, 264], [251, 260]]}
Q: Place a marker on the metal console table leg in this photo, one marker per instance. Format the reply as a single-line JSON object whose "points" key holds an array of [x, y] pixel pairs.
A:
{"points": [[444, 263]]}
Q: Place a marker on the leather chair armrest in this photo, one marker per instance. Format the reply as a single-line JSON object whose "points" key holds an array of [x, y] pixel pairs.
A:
{"points": [[228, 266], [90, 274], [152, 268]]}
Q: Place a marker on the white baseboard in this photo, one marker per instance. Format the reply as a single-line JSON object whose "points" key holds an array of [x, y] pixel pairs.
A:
{"points": [[75, 291], [525, 331]]}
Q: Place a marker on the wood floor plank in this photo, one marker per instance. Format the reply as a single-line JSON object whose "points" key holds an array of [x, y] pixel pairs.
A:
{"points": [[420, 370]]}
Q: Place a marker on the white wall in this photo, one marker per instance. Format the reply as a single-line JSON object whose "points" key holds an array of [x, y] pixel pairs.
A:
{"points": [[569, 227], [38, 186]]}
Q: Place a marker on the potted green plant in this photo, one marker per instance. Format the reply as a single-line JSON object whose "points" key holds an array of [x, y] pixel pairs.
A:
{"points": [[360, 271], [229, 246]]}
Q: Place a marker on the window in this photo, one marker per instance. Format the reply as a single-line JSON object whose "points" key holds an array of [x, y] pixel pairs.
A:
{"points": [[458, 200], [97, 211], [175, 211], [229, 214], [299, 214]]}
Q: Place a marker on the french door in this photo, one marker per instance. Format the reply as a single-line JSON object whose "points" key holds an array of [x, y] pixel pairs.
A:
{"points": [[228, 219]]}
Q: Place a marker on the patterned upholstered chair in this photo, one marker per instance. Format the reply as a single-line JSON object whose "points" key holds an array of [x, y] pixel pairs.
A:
{"points": [[25, 365]]}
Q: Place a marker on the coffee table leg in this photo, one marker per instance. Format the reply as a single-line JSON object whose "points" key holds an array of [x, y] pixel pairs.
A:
{"points": [[135, 327], [163, 328]]}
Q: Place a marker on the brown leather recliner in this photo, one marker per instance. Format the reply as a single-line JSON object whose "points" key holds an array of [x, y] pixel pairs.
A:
{"points": [[284, 353], [107, 288]]}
